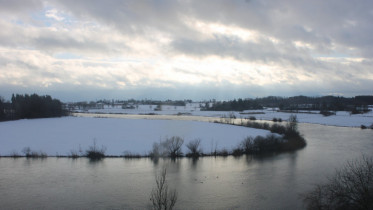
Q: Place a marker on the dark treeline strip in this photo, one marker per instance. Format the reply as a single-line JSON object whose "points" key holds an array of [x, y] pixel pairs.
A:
{"points": [[235, 105], [332, 103], [31, 106], [127, 104]]}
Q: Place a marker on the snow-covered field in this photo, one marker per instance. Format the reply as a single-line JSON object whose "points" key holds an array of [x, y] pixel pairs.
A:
{"points": [[129, 130], [62, 135], [340, 119]]}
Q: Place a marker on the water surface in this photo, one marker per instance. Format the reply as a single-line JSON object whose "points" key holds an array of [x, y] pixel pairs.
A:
{"points": [[247, 182]]}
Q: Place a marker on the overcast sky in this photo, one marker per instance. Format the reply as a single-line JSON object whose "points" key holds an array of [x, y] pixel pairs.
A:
{"points": [[168, 49]]}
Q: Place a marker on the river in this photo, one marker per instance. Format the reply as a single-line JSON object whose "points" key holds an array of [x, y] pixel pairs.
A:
{"points": [[247, 182]]}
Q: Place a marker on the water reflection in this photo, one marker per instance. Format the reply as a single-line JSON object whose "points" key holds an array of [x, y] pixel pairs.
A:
{"points": [[94, 163], [194, 161], [155, 160]]}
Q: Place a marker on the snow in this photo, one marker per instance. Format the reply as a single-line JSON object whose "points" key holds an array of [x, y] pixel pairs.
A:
{"points": [[131, 130], [340, 119], [59, 136]]}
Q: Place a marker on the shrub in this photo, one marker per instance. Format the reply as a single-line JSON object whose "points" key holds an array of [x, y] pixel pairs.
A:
{"points": [[248, 145], [161, 197], [327, 113], [291, 139], [260, 144], [73, 154], [33, 154], [14, 154], [276, 128], [273, 143], [277, 119], [130, 155], [254, 125], [94, 153], [156, 151], [173, 146], [237, 151], [27, 151], [76, 153], [194, 149], [350, 188], [252, 118], [266, 126], [223, 152], [292, 124], [363, 127]]}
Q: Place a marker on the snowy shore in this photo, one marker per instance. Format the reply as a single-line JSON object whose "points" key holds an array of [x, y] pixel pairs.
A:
{"points": [[59, 136]]}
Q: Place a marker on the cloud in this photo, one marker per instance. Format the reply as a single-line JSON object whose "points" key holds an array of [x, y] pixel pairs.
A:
{"points": [[19, 6], [53, 13], [182, 45]]}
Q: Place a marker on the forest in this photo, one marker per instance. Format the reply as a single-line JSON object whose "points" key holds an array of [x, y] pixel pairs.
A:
{"points": [[30, 106]]}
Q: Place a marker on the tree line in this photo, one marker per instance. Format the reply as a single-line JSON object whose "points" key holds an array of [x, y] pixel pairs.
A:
{"points": [[31, 106], [324, 103], [235, 105]]}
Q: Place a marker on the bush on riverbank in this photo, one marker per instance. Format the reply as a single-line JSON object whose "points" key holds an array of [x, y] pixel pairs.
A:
{"points": [[366, 127], [32, 153], [95, 153], [171, 147], [194, 148], [260, 144], [277, 119], [291, 138], [349, 188]]}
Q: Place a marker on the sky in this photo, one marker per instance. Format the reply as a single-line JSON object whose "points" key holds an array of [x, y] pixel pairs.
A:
{"points": [[79, 50]]}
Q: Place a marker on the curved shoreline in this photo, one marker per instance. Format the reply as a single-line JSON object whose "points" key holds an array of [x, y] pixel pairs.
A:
{"points": [[182, 117]]}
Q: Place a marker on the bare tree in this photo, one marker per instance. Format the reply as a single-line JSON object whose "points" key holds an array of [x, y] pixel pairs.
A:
{"points": [[292, 124], [156, 151], [248, 145], [161, 197], [173, 146], [193, 146], [350, 188]]}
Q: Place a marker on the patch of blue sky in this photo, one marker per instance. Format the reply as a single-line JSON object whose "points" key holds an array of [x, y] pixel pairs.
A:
{"points": [[121, 60], [41, 18], [49, 16], [67, 55], [18, 22]]}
